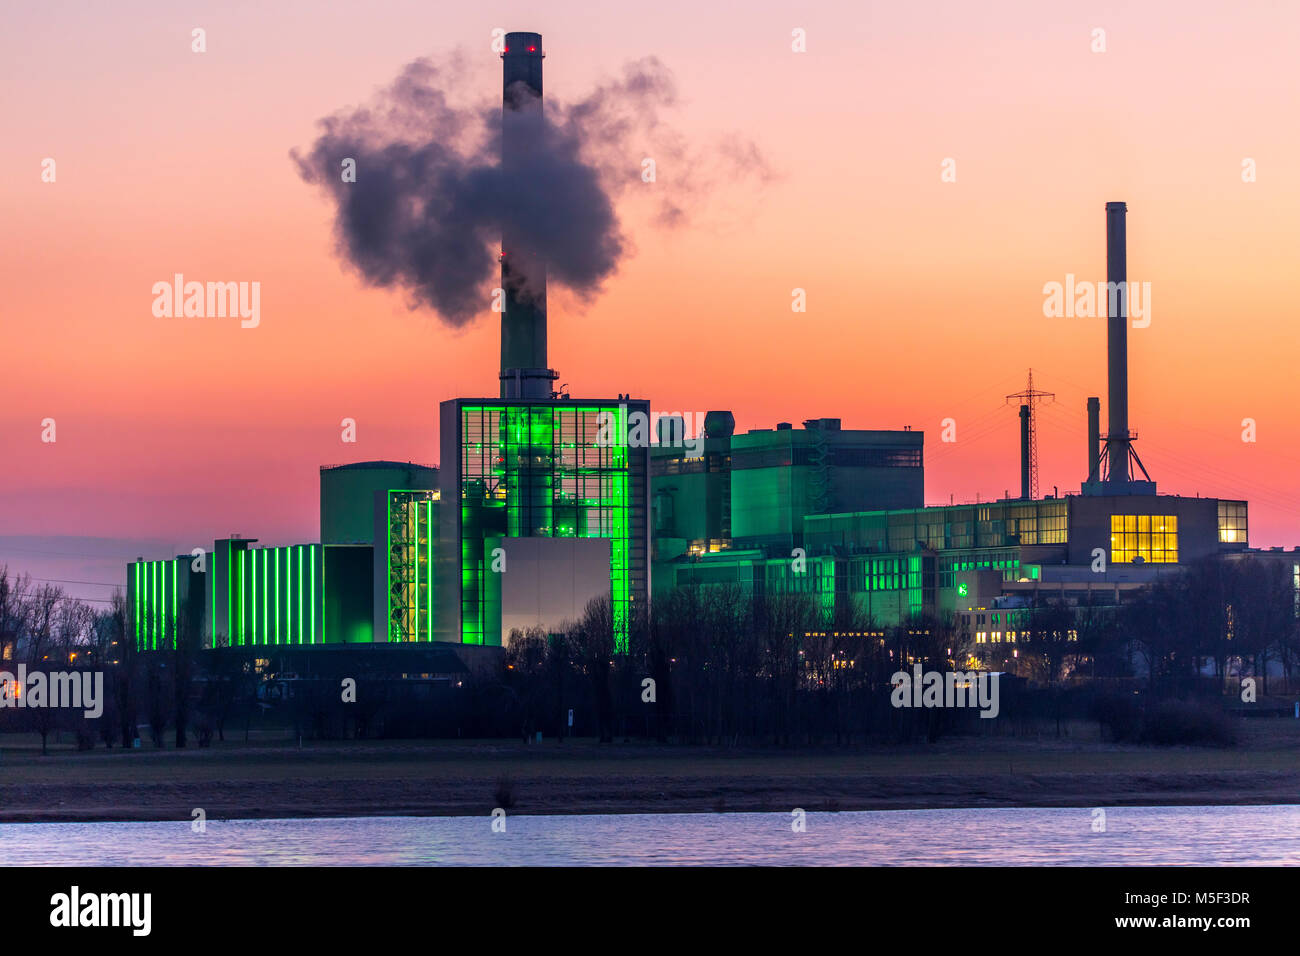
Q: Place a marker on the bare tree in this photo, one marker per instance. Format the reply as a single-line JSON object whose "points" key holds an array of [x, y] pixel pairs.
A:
{"points": [[15, 611], [593, 641]]}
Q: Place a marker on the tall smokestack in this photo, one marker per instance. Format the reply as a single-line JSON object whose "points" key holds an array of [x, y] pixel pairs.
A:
{"points": [[524, 370], [1117, 441], [1094, 438], [1024, 452]]}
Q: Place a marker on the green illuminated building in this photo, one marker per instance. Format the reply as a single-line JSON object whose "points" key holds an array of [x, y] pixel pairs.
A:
{"points": [[754, 492], [548, 504], [249, 596], [158, 594], [976, 561], [536, 469]]}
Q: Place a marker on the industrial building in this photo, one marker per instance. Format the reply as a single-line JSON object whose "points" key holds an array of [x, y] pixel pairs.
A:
{"points": [[759, 486], [542, 502], [868, 543]]}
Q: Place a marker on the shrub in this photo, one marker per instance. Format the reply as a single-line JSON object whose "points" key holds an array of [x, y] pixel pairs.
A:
{"points": [[504, 793], [1173, 722], [1119, 714]]}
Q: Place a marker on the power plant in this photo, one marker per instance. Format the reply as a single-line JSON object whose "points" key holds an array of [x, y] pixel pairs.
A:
{"points": [[983, 564], [541, 502]]}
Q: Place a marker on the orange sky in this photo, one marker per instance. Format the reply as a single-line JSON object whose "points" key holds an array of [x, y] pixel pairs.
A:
{"points": [[924, 297]]}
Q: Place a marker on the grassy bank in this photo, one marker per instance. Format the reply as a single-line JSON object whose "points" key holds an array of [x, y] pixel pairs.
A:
{"points": [[268, 777]]}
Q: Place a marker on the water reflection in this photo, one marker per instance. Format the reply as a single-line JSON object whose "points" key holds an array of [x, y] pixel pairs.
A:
{"points": [[1132, 836]]}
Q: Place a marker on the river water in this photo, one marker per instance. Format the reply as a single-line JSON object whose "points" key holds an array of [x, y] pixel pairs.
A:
{"points": [[1131, 836]]}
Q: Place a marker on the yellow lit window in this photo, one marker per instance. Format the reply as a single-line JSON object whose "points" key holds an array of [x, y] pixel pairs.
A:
{"points": [[1232, 522], [1153, 538]]}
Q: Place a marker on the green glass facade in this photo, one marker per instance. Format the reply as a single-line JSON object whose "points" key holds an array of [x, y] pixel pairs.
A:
{"points": [[548, 469], [993, 525]]}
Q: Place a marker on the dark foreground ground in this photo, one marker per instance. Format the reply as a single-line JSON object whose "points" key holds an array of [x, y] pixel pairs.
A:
{"points": [[268, 777]]}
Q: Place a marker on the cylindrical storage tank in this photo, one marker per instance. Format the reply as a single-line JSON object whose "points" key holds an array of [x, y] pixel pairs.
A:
{"points": [[347, 495]]}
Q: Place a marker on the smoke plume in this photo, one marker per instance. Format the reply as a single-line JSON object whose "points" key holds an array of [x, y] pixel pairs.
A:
{"points": [[431, 197]]}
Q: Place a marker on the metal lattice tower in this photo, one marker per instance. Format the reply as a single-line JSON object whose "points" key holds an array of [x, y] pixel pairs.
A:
{"points": [[1031, 397]]}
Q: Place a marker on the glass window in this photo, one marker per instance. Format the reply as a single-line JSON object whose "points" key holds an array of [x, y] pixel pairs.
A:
{"points": [[1153, 538]]}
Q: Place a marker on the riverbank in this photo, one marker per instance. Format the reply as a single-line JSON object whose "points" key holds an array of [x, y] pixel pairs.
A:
{"points": [[269, 779]]}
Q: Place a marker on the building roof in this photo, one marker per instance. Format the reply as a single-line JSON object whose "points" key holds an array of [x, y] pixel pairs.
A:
{"points": [[375, 465]]}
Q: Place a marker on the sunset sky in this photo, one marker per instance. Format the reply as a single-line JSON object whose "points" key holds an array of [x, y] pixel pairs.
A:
{"points": [[924, 297]]}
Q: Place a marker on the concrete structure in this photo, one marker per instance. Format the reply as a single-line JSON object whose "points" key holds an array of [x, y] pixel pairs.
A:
{"points": [[548, 582], [347, 503]]}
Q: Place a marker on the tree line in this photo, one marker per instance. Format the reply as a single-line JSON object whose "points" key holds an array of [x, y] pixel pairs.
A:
{"points": [[711, 665]]}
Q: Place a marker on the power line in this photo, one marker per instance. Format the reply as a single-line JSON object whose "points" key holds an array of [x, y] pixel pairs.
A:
{"points": [[66, 554], [99, 584]]}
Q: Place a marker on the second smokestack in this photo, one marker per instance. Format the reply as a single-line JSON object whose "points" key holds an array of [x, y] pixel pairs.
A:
{"points": [[1094, 438], [1025, 489], [1117, 440]]}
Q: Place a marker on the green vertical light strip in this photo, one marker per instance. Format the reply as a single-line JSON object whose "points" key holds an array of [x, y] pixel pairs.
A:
{"points": [[913, 584], [428, 630], [413, 517], [162, 603], [312, 549], [212, 573], [230, 630], [243, 584], [299, 594], [253, 616], [266, 586], [176, 590], [826, 582], [287, 553], [153, 607], [620, 558], [388, 562], [277, 595]]}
